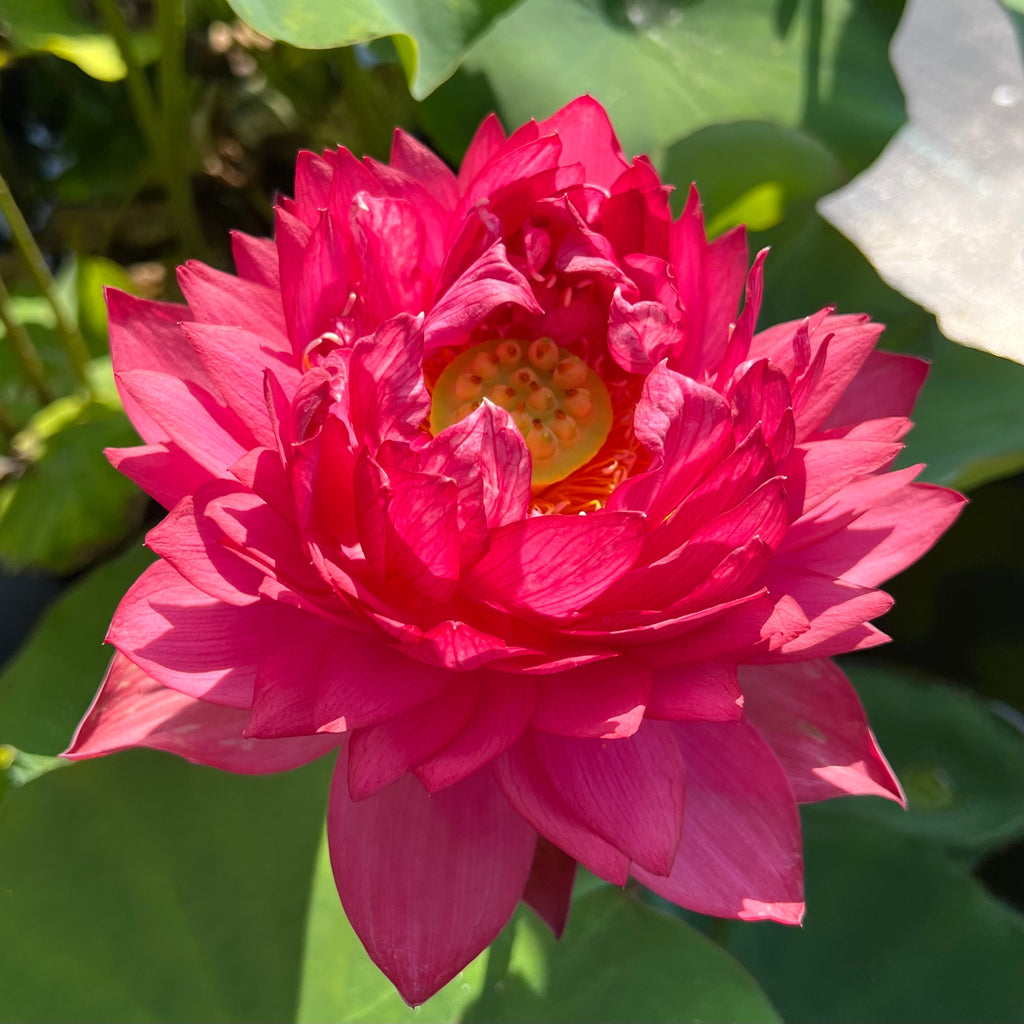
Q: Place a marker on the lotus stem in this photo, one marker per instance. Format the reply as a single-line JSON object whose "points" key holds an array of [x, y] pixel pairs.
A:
{"points": [[160, 127], [71, 337], [23, 347]]}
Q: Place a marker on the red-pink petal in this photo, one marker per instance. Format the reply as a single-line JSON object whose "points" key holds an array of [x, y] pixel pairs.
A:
{"points": [[883, 540], [706, 691], [887, 385], [196, 644], [133, 710], [602, 700], [427, 881], [163, 470], [380, 754], [190, 542], [588, 138], [218, 298], [832, 607], [501, 715], [811, 717], [740, 853], [549, 888], [553, 565], [255, 259], [189, 416], [530, 791], [629, 791], [236, 360], [360, 679]]}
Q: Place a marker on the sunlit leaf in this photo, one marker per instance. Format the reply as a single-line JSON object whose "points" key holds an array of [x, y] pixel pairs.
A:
{"points": [[58, 27], [666, 68], [142, 888], [751, 172], [939, 213], [969, 419]]}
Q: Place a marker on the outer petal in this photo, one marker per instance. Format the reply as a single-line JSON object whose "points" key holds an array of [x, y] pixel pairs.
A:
{"points": [[146, 336], [588, 138], [427, 881], [740, 854], [530, 791], [196, 644], [707, 691], [380, 754], [629, 791], [133, 710], [813, 720], [236, 361], [163, 471], [549, 889], [500, 718], [887, 385], [218, 298], [256, 259], [832, 607], [884, 540], [186, 414], [602, 700]]}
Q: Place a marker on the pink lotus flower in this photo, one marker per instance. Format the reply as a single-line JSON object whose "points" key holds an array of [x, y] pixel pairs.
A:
{"points": [[484, 483]]}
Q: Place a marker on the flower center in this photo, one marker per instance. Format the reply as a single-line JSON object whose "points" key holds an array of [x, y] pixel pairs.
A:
{"points": [[559, 404]]}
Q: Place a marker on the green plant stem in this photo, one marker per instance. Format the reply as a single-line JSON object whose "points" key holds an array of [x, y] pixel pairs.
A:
{"points": [[23, 347], [71, 337], [7, 425], [160, 127]]}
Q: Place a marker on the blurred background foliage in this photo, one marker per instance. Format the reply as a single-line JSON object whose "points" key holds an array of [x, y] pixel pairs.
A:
{"points": [[136, 134]]}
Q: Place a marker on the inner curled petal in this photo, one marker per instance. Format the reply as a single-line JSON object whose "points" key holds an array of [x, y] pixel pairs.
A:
{"points": [[560, 405]]}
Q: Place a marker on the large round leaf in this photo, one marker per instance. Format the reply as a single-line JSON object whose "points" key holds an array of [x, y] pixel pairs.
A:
{"points": [[895, 932], [142, 888], [665, 69], [430, 37], [960, 764]]}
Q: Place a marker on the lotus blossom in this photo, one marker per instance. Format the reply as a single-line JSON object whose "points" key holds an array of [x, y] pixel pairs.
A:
{"points": [[486, 484]]}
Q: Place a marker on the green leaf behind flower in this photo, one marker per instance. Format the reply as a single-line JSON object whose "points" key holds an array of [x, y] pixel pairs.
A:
{"points": [[665, 68], [895, 931], [58, 27], [430, 37], [141, 888], [961, 765], [47, 688]]}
